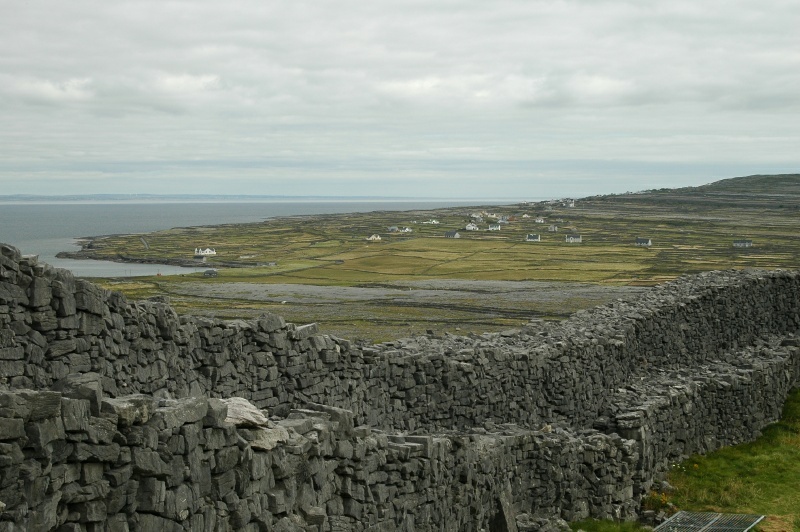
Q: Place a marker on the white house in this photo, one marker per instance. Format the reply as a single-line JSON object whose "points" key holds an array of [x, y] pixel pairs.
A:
{"points": [[471, 227], [646, 242], [553, 229], [207, 252], [393, 229], [406, 230], [374, 238], [574, 239], [742, 243], [539, 220], [494, 227], [526, 215], [432, 222], [533, 238]]}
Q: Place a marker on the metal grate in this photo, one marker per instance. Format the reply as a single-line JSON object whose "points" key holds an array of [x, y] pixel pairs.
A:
{"points": [[709, 522]]}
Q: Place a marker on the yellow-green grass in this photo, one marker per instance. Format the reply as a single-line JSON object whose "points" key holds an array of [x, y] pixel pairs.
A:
{"points": [[593, 525], [759, 477], [755, 478], [687, 238], [331, 250]]}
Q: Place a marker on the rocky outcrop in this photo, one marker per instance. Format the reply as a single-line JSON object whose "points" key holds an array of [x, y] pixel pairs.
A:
{"points": [[192, 423]]}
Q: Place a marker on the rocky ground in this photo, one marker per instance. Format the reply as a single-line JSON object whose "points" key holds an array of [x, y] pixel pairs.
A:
{"points": [[401, 308], [508, 293]]}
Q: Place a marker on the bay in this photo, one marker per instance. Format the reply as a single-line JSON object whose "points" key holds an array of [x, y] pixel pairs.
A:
{"points": [[44, 229]]}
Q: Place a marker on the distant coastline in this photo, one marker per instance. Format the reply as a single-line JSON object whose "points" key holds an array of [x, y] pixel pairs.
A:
{"points": [[238, 198], [87, 242], [45, 228]]}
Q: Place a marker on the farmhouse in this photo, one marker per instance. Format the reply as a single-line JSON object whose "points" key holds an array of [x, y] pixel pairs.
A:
{"points": [[452, 234], [646, 242], [539, 220], [574, 239], [742, 243], [207, 252], [432, 222], [374, 238], [533, 238], [471, 227], [494, 227], [406, 230]]}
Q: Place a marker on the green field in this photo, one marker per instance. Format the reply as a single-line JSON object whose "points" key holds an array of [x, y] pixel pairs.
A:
{"points": [[759, 477], [755, 478], [692, 230]]}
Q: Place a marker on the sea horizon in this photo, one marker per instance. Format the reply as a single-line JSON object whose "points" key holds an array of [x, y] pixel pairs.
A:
{"points": [[46, 228], [13, 199]]}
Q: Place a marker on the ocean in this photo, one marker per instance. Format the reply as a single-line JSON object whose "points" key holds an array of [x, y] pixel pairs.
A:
{"points": [[44, 229]]}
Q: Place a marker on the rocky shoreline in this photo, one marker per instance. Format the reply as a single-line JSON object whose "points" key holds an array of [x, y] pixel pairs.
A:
{"points": [[83, 254], [91, 245]]}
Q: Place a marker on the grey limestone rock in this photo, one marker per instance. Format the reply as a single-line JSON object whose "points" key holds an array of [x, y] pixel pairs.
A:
{"points": [[243, 413], [86, 386]]}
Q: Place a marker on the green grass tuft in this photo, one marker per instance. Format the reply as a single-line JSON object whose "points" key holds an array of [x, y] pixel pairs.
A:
{"points": [[593, 525], [759, 477]]}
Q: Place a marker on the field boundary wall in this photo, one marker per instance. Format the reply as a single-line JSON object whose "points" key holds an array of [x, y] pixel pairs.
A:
{"points": [[114, 414]]}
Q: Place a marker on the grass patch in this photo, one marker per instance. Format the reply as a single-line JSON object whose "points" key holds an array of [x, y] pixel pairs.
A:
{"points": [[759, 477], [593, 525]]}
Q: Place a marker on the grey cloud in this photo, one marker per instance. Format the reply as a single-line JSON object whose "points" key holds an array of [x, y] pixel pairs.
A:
{"points": [[334, 83]]}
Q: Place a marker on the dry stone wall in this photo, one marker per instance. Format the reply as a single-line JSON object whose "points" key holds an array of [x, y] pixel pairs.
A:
{"points": [[77, 460], [113, 418]]}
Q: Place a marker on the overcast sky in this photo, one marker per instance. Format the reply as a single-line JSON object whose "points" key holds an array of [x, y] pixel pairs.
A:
{"points": [[436, 98]]}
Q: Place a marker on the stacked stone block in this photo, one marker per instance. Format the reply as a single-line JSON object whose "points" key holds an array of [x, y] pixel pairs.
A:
{"points": [[76, 460]]}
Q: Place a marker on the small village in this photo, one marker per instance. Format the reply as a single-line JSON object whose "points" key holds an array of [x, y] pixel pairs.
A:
{"points": [[636, 239], [560, 222], [484, 221]]}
